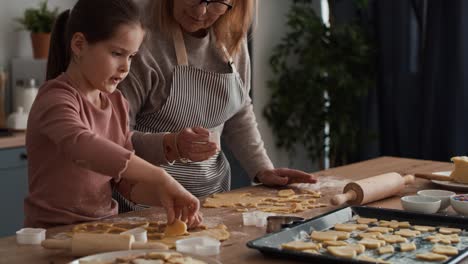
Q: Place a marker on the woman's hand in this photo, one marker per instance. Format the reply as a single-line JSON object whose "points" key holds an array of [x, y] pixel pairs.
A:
{"points": [[194, 144], [284, 176]]}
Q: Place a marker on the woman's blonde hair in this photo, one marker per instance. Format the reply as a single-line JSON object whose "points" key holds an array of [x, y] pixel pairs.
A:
{"points": [[230, 29]]}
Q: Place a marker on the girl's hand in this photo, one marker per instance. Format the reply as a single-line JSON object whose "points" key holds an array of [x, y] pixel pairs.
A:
{"points": [[284, 176], [178, 202], [194, 144]]}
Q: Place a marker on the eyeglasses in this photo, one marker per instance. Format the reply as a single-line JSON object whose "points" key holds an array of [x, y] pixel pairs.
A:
{"points": [[217, 7]]}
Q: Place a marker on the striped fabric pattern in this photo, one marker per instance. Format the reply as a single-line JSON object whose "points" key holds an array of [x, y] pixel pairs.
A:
{"points": [[204, 99]]}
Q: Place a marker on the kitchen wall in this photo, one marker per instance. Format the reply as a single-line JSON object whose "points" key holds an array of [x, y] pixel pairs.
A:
{"points": [[270, 28], [10, 9]]}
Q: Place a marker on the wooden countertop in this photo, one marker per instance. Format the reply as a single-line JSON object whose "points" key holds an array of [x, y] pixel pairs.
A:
{"points": [[17, 140], [234, 250]]}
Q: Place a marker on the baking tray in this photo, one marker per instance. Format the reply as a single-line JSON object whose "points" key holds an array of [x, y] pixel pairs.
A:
{"points": [[270, 244]]}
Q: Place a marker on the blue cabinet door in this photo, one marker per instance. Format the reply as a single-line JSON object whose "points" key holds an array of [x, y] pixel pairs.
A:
{"points": [[13, 189]]}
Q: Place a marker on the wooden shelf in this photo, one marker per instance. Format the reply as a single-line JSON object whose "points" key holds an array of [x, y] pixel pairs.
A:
{"points": [[17, 140]]}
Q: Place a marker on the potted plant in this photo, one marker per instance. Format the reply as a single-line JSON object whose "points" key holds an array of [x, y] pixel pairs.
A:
{"points": [[39, 21], [322, 73]]}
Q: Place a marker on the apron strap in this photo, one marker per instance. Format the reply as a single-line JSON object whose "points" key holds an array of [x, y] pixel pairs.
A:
{"points": [[179, 44]]}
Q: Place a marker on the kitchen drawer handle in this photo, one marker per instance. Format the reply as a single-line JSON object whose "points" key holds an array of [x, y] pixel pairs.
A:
{"points": [[23, 156]]}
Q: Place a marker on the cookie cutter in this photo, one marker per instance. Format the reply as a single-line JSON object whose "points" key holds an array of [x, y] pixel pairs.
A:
{"points": [[139, 233], [277, 222], [255, 218], [203, 245], [30, 236]]}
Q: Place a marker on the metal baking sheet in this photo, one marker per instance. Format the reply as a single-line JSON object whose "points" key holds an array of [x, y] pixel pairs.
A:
{"points": [[271, 244]]}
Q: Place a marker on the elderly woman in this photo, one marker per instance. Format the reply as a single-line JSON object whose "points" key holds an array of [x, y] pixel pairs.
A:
{"points": [[189, 86]]}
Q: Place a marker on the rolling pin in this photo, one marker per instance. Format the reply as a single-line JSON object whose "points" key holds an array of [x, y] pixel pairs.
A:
{"points": [[83, 244], [430, 176], [372, 189]]}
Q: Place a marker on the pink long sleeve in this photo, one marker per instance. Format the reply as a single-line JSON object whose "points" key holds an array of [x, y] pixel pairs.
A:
{"points": [[74, 151]]}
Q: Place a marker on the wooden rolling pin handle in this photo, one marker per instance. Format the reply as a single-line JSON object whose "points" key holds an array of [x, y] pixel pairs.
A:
{"points": [[57, 243], [340, 199], [430, 176], [408, 179]]}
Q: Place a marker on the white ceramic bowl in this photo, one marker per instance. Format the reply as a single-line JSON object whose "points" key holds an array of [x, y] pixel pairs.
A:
{"points": [[443, 195], [420, 204], [460, 207]]}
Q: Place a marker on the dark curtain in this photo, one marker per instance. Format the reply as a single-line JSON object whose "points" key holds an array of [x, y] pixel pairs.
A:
{"points": [[418, 108]]}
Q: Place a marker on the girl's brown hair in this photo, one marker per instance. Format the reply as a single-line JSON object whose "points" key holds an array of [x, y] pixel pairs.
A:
{"points": [[97, 20], [230, 29]]}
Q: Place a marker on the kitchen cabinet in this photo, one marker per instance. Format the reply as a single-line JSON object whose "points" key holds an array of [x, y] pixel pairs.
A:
{"points": [[13, 189]]}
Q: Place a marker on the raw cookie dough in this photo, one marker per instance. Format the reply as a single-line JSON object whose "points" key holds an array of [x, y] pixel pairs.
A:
{"points": [[407, 247], [380, 229], [329, 235], [444, 239], [366, 221], [369, 235], [372, 243], [448, 231], [334, 243], [445, 250], [392, 239], [350, 227], [349, 251], [407, 233], [286, 193], [431, 257], [286, 202], [394, 224], [424, 228], [300, 245], [386, 250], [178, 228]]}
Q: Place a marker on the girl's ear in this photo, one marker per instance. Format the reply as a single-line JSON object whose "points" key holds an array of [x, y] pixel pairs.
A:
{"points": [[78, 44]]}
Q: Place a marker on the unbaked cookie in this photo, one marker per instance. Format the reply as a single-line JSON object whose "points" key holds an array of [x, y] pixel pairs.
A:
{"points": [[392, 238], [448, 231], [424, 228], [349, 251], [329, 235], [431, 256], [372, 243], [445, 250], [300, 245], [178, 228], [366, 221], [350, 227], [286, 193], [386, 250], [334, 243], [380, 229], [369, 235], [407, 233], [394, 224], [407, 247]]}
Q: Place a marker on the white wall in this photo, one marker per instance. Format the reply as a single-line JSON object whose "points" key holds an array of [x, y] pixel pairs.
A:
{"points": [[10, 9], [270, 28]]}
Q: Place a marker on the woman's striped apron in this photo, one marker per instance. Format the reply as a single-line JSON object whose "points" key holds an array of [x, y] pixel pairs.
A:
{"points": [[197, 98]]}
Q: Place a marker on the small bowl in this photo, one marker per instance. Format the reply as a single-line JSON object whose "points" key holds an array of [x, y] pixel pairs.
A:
{"points": [[443, 195], [460, 207], [420, 204]]}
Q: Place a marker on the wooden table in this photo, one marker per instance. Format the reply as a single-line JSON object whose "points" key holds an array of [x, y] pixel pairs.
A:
{"points": [[234, 250]]}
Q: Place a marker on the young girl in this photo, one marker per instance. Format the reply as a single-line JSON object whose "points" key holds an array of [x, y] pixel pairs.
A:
{"points": [[78, 140]]}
